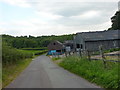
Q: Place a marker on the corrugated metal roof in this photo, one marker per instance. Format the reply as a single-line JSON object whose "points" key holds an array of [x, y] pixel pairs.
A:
{"points": [[100, 35], [58, 42]]}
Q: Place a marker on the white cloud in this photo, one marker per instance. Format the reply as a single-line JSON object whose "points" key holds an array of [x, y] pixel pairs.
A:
{"points": [[21, 3], [57, 17], [48, 15], [38, 28], [87, 15]]}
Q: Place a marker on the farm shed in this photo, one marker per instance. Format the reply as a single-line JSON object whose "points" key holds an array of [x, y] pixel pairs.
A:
{"points": [[92, 40], [68, 45], [55, 47]]}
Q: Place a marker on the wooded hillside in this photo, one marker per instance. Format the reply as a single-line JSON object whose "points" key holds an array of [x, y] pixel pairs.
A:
{"points": [[33, 42]]}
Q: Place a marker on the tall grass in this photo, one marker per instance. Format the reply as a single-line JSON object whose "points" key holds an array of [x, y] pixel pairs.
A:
{"points": [[10, 72], [93, 71]]}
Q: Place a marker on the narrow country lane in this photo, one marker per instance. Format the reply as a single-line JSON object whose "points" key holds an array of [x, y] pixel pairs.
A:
{"points": [[43, 73]]}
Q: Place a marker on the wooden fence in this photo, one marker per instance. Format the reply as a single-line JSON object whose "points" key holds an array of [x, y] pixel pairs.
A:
{"points": [[89, 55]]}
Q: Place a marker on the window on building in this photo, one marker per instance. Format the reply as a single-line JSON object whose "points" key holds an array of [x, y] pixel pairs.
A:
{"points": [[81, 46], [114, 43], [78, 45]]}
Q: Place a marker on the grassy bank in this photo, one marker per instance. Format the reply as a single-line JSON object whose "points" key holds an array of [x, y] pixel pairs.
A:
{"points": [[15, 61], [11, 55], [56, 58], [10, 72], [93, 71]]}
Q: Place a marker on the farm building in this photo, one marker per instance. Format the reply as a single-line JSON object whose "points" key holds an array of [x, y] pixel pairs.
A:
{"points": [[68, 45], [55, 47], [92, 40]]}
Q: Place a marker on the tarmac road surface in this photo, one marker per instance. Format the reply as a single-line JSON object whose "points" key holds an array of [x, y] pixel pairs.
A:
{"points": [[43, 73]]}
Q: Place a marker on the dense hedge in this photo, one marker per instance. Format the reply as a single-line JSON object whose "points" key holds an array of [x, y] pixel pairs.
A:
{"points": [[11, 55]]}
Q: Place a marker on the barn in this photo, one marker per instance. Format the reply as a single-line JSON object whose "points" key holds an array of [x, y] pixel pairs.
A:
{"points": [[68, 45], [55, 47], [92, 40]]}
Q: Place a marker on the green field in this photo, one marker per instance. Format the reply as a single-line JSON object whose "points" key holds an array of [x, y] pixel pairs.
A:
{"points": [[35, 52], [94, 71]]}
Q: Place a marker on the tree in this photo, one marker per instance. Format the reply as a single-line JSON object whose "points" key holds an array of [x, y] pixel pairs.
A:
{"points": [[115, 21]]}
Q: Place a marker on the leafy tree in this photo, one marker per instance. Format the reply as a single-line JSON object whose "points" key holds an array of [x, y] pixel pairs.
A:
{"points": [[33, 42], [115, 21]]}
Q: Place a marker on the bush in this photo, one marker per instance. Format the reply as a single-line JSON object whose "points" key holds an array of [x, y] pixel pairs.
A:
{"points": [[11, 55]]}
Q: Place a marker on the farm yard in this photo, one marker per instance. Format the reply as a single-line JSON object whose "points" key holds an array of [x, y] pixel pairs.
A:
{"points": [[100, 67], [102, 72], [60, 44]]}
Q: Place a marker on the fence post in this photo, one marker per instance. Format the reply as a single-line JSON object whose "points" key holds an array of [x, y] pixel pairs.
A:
{"points": [[102, 55], [69, 53], [80, 53], [52, 55], [58, 55], [89, 57], [65, 53]]}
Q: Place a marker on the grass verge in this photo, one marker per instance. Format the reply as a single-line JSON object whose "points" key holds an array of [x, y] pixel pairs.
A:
{"points": [[56, 58], [93, 71], [10, 72]]}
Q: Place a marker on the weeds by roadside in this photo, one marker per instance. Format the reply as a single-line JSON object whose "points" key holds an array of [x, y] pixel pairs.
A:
{"points": [[93, 71], [55, 58]]}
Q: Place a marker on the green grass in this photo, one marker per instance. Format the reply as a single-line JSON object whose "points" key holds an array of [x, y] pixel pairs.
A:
{"points": [[116, 58], [35, 52], [42, 48], [112, 50], [56, 58], [10, 72], [11, 55], [107, 51], [93, 71], [21, 58], [14, 61]]}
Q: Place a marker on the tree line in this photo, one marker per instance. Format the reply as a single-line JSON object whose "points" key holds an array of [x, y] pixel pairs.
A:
{"points": [[33, 42], [115, 21], [11, 46]]}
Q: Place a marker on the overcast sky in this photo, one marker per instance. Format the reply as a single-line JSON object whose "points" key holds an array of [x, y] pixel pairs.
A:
{"points": [[55, 17]]}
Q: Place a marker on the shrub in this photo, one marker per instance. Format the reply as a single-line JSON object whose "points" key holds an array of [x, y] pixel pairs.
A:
{"points": [[11, 55]]}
